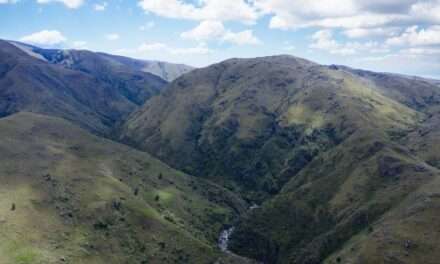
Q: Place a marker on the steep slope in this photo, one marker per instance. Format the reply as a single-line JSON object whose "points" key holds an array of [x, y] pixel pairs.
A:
{"points": [[342, 161], [366, 201], [70, 197], [93, 94], [257, 122], [136, 85]]}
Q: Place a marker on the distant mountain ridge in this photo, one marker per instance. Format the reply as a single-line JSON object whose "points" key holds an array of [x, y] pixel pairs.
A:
{"points": [[165, 70], [83, 87]]}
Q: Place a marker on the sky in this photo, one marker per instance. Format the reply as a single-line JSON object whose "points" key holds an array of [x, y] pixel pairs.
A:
{"points": [[401, 36]]}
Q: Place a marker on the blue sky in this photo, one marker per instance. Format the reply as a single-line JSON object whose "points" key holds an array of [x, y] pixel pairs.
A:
{"points": [[400, 36]]}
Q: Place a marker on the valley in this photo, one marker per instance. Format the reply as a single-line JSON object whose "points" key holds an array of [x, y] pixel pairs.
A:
{"points": [[269, 160]]}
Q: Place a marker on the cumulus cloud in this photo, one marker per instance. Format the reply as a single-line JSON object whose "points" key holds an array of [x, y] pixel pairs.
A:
{"points": [[215, 30], [324, 40], [426, 11], [45, 38], [413, 36], [220, 10], [205, 30], [370, 32], [69, 3], [287, 14], [291, 14], [245, 37]]}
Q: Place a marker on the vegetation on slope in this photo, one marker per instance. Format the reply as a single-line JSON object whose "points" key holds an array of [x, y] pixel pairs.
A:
{"points": [[96, 95], [334, 155], [68, 196]]}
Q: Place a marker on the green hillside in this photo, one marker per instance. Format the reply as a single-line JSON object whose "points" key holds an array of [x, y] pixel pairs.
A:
{"points": [[340, 160], [70, 197]]}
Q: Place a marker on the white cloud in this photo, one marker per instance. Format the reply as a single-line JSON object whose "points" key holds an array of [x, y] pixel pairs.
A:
{"points": [[413, 36], [324, 40], [421, 51], [356, 21], [206, 30], [286, 14], [100, 7], [45, 38], [112, 36], [69, 3], [214, 30], [370, 32], [292, 14], [245, 37], [426, 11], [220, 10]]}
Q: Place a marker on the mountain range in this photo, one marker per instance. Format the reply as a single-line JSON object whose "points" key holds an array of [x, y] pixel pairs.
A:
{"points": [[109, 159]]}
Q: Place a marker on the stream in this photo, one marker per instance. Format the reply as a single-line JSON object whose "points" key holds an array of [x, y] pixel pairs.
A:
{"points": [[225, 234], [223, 240]]}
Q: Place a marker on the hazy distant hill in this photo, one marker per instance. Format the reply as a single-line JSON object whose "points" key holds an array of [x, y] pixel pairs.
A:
{"points": [[344, 162], [75, 58], [165, 70]]}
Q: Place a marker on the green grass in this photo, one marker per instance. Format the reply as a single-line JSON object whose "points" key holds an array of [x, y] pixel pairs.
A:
{"points": [[75, 198], [27, 256]]}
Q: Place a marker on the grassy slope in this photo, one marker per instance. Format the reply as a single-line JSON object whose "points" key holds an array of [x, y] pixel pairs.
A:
{"points": [[340, 151], [222, 121], [345, 192], [252, 124], [367, 200], [85, 199]]}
